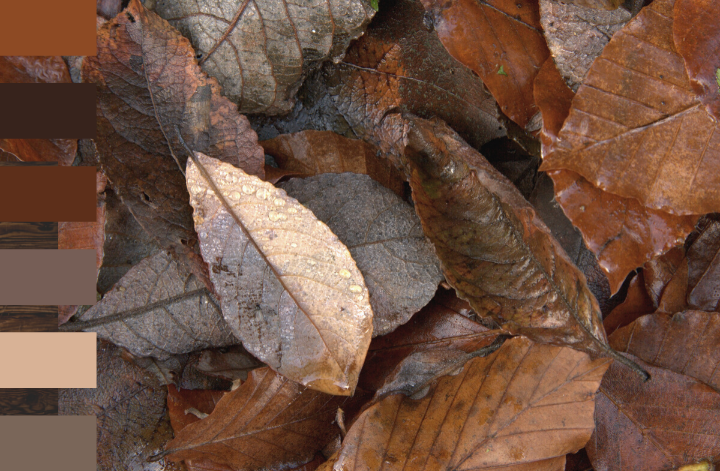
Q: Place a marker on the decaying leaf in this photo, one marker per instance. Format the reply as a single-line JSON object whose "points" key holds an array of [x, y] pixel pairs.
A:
{"points": [[576, 34], [36, 69], [659, 271], [268, 421], [523, 407], [158, 309], [151, 93], [553, 98], [384, 237], [703, 278], [637, 303], [261, 51], [506, 62], [231, 363], [185, 406], [696, 31], [130, 407], [288, 287], [495, 250], [316, 152], [636, 128], [666, 422]]}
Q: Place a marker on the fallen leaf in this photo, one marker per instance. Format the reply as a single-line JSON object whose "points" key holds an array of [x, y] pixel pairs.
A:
{"points": [[621, 232], [659, 271], [637, 303], [288, 287], [126, 243], [152, 94], [696, 32], [703, 278], [636, 129], [499, 40], [268, 421], [553, 98], [316, 152], [132, 423], [384, 237], [261, 51], [179, 401], [231, 363], [654, 425], [157, 309], [36, 69], [494, 249], [576, 34], [684, 342], [525, 406]]}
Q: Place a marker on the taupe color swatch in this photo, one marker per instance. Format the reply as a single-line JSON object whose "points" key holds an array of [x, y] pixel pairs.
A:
{"points": [[47, 360], [47, 277], [48, 442]]}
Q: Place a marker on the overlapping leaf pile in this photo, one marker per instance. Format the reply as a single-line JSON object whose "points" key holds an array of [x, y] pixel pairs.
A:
{"points": [[393, 301]]}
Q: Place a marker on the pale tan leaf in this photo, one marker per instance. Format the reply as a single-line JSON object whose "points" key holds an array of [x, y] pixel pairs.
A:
{"points": [[288, 287]]}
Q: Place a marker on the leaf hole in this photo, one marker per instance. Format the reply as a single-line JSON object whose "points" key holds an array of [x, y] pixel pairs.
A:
{"points": [[146, 197], [130, 17]]}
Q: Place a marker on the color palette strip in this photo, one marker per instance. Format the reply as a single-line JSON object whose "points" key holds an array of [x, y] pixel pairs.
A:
{"points": [[47, 277], [48, 360], [47, 111], [48, 28], [47, 193], [43, 443]]}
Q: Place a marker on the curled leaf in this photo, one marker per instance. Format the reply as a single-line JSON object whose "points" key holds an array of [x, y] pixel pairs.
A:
{"points": [[288, 287]]}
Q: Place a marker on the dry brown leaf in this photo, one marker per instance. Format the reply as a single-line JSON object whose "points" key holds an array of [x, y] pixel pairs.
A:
{"points": [[185, 404], [523, 407], [576, 34], [703, 277], [685, 342], [637, 303], [501, 41], [230, 363], [268, 421], [316, 152], [636, 129], [261, 51], [659, 271], [288, 287], [36, 69], [696, 31], [495, 250], [384, 237], [157, 309], [132, 423], [152, 94], [671, 420]]}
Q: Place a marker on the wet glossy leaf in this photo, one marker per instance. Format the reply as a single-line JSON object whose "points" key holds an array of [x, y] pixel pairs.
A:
{"points": [[316, 152], [35, 69], [576, 34], [149, 90], [553, 98], [523, 407], [384, 237], [267, 421], [696, 31], [636, 129], [158, 309], [130, 407], [261, 51], [288, 287], [499, 40], [495, 250]]}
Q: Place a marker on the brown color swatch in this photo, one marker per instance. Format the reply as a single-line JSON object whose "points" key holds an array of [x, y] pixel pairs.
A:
{"points": [[47, 193], [28, 401], [48, 28], [28, 319], [28, 235], [47, 277], [61, 442], [47, 111], [47, 360]]}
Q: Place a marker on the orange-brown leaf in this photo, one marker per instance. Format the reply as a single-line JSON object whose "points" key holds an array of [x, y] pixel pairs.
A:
{"points": [[637, 303], [553, 98], [180, 401], [636, 128], [523, 407], [501, 41], [696, 31]]}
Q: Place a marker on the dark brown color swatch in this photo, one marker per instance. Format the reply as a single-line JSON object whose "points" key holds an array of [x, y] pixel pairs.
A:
{"points": [[47, 111], [47, 193], [61, 442], [47, 277], [28, 319], [28, 401], [28, 235], [47, 28]]}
